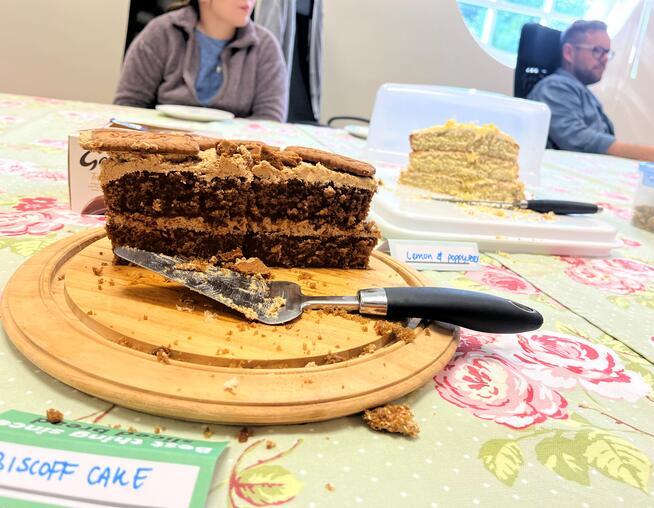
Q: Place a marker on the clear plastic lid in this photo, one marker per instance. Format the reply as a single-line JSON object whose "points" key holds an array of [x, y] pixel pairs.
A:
{"points": [[401, 109], [644, 199], [646, 173]]}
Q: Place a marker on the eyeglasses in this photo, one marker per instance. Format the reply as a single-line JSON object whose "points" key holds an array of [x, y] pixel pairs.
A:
{"points": [[597, 51]]}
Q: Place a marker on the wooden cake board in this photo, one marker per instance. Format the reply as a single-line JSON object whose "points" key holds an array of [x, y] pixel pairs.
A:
{"points": [[96, 326]]}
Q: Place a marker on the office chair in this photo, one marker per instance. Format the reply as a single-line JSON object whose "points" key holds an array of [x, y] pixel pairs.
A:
{"points": [[539, 54]]}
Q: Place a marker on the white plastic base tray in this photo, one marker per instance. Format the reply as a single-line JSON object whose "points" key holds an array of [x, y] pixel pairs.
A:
{"points": [[404, 212]]}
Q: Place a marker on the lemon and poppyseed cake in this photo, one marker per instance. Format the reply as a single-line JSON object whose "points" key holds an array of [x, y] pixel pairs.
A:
{"points": [[221, 200], [465, 160]]}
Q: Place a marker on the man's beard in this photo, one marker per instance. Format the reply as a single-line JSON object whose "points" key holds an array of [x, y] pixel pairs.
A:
{"points": [[586, 76]]}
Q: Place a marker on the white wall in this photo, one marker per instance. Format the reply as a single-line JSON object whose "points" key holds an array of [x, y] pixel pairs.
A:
{"points": [[66, 49], [370, 42], [630, 102]]}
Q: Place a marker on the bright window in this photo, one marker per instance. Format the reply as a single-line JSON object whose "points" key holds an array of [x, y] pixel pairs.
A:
{"points": [[496, 24]]}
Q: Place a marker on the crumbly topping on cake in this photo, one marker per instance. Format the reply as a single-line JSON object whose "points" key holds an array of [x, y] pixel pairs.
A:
{"points": [[334, 161], [123, 140]]}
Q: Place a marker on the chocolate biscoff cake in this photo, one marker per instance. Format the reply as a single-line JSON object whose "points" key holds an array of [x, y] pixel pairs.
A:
{"points": [[221, 200]]}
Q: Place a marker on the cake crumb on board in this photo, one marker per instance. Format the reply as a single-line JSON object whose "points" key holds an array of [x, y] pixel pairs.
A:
{"points": [[250, 266], [329, 486], [396, 418], [162, 353], [394, 331], [230, 385], [207, 433], [270, 444], [54, 415]]}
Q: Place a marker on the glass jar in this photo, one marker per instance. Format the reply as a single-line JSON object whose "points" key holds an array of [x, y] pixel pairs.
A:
{"points": [[644, 200]]}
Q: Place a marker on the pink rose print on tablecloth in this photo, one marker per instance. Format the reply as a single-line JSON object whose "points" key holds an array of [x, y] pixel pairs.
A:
{"points": [[38, 203], [618, 211], [29, 171], [48, 100], [28, 223], [81, 116], [564, 362], [630, 242], [53, 143], [502, 279], [40, 216], [491, 388], [11, 103], [625, 267], [616, 195], [592, 276], [620, 276], [470, 340], [8, 119]]}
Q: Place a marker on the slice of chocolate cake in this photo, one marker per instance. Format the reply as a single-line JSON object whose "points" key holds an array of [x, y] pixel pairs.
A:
{"points": [[220, 200]]}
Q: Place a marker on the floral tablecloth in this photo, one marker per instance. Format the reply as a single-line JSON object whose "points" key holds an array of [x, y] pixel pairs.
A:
{"points": [[558, 416]]}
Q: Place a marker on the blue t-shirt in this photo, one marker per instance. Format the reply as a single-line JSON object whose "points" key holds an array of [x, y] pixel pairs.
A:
{"points": [[210, 74], [578, 121]]}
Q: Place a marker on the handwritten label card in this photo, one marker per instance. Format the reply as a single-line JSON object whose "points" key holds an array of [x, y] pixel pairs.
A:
{"points": [[79, 464], [436, 255]]}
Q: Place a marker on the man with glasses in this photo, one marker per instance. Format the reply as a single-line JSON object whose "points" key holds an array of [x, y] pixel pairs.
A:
{"points": [[578, 120]]}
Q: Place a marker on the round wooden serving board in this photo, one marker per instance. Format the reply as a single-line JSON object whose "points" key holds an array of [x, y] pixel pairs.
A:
{"points": [[94, 325]]}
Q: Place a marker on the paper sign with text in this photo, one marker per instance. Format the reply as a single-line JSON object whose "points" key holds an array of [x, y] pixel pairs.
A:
{"points": [[79, 464], [436, 255]]}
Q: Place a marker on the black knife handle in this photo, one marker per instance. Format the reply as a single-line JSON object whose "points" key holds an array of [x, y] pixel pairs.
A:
{"points": [[470, 309], [561, 207]]}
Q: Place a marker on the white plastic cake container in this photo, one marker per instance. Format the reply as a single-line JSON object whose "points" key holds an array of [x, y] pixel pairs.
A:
{"points": [[401, 108]]}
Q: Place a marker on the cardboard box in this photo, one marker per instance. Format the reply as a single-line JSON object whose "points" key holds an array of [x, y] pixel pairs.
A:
{"points": [[83, 179], [84, 190]]}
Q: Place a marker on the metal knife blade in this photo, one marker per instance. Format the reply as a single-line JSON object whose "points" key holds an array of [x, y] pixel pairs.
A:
{"points": [[249, 295], [498, 204], [557, 206]]}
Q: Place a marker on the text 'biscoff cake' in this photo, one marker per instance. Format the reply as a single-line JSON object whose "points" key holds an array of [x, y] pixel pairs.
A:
{"points": [[221, 200], [465, 160]]}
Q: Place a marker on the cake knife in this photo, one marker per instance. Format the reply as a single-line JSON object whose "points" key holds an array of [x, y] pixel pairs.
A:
{"points": [[559, 207], [278, 302]]}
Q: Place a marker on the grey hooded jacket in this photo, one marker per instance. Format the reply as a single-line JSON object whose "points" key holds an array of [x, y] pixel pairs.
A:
{"points": [[163, 61]]}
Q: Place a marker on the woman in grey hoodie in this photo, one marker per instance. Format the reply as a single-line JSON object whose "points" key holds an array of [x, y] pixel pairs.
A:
{"points": [[210, 54]]}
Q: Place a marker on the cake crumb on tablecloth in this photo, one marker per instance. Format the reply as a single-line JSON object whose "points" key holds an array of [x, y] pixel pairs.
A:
{"points": [[244, 434], [54, 415], [396, 418]]}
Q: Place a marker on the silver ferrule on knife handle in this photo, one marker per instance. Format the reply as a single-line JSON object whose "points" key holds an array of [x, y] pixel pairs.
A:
{"points": [[524, 204], [343, 302], [373, 301]]}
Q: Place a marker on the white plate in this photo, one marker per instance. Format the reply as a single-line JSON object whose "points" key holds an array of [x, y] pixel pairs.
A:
{"points": [[358, 131], [194, 113]]}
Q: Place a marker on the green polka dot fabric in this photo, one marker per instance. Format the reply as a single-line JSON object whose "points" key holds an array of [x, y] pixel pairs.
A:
{"points": [[562, 415]]}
